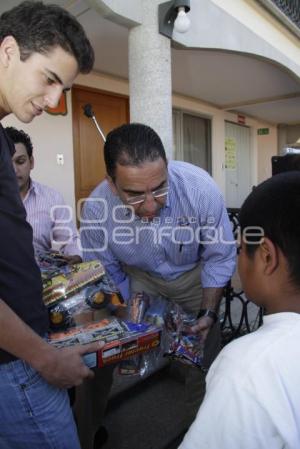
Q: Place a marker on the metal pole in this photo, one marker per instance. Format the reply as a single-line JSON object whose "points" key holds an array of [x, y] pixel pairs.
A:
{"points": [[88, 112]]}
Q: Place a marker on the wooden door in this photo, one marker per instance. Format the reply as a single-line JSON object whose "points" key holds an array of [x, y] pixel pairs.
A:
{"points": [[110, 111]]}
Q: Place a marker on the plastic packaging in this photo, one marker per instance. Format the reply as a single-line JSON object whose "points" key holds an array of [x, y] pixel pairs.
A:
{"points": [[137, 307], [91, 303], [184, 346]]}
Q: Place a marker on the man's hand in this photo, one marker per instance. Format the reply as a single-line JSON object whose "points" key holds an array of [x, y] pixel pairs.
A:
{"points": [[202, 327], [71, 260], [65, 367], [211, 301]]}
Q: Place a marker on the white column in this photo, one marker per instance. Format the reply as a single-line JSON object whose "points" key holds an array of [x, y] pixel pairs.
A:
{"points": [[150, 84]]}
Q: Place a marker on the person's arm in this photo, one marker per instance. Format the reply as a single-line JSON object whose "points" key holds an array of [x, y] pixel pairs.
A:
{"points": [[60, 367], [211, 301], [72, 260], [218, 258], [94, 241], [218, 246]]}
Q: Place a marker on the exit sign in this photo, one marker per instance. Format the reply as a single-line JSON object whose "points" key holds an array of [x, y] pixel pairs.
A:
{"points": [[263, 131]]}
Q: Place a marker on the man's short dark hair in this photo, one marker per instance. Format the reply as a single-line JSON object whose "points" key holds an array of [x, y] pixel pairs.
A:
{"points": [[132, 144], [274, 206], [19, 136], [39, 28]]}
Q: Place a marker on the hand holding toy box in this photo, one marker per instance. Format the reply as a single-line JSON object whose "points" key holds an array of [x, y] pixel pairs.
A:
{"points": [[122, 340]]}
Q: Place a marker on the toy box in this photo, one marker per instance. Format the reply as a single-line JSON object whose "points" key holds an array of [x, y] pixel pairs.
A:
{"points": [[122, 339], [77, 294], [70, 280], [83, 305]]}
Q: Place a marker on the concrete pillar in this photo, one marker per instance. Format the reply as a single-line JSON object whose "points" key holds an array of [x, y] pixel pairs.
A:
{"points": [[150, 83]]}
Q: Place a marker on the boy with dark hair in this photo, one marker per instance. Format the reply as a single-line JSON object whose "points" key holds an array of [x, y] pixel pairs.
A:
{"points": [[253, 390], [42, 49]]}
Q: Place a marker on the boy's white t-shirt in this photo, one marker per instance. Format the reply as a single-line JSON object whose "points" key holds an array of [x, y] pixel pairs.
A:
{"points": [[253, 391]]}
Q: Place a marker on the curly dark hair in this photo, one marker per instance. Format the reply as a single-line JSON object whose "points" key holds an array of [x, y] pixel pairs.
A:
{"points": [[39, 28], [19, 136]]}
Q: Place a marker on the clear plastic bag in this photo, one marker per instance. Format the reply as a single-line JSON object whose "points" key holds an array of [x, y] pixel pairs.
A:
{"points": [[182, 345], [150, 310]]}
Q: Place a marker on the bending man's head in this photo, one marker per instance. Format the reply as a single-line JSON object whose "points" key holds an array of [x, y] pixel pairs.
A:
{"points": [[136, 165], [132, 144]]}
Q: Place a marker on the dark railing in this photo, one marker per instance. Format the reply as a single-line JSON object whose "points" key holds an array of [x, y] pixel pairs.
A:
{"points": [[290, 8], [235, 317]]}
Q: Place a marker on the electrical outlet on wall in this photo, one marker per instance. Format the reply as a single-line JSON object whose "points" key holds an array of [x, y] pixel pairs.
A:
{"points": [[60, 159]]}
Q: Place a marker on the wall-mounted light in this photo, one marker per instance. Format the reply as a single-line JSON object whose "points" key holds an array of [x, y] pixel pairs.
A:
{"points": [[172, 15]]}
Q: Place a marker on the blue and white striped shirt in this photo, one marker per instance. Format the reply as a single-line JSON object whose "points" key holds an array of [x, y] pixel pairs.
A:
{"points": [[192, 227]]}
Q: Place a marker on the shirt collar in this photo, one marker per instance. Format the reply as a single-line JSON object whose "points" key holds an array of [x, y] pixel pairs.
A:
{"points": [[33, 189]]}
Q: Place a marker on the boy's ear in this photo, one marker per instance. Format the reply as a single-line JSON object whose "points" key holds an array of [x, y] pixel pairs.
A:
{"points": [[269, 256], [8, 49], [111, 184]]}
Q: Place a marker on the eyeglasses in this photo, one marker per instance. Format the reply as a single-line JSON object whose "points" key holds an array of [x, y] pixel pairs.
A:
{"points": [[139, 199]]}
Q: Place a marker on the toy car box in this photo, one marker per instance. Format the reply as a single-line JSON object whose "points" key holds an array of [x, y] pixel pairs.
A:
{"points": [[122, 340]]}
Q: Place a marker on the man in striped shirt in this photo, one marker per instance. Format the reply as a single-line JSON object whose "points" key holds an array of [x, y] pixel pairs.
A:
{"points": [[49, 216], [162, 228]]}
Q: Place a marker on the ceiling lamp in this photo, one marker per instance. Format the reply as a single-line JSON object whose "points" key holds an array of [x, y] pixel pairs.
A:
{"points": [[173, 15]]}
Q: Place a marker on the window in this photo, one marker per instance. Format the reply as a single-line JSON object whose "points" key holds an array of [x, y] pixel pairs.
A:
{"points": [[192, 139]]}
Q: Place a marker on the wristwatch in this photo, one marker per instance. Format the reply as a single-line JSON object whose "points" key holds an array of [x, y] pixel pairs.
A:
{"points": [[208, 312]]}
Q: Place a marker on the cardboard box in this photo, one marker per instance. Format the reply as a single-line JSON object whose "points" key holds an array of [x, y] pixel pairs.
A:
{"points": [[122, 340], [115, 351]]}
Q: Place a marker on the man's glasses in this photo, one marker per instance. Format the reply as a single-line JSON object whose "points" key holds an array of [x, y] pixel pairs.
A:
{"points": [[139, 199]]}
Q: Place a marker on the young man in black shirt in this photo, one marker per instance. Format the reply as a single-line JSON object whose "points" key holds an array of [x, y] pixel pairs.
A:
{"points": [[42, 49]]}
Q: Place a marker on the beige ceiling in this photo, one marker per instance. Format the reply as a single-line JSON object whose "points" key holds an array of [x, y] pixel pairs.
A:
{"points": [[229, 81]]}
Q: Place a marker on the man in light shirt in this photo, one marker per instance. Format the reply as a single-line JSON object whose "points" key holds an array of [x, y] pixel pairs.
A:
{"points": [[162, 227], [49, 216]]}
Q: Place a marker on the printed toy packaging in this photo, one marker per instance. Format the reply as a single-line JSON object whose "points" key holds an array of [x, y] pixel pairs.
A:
{"points": [[71, 279], [122, 340], [83, 306], [183, 345]]}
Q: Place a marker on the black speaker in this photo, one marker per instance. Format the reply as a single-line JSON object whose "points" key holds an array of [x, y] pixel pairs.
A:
{"points": [[284, 163]]}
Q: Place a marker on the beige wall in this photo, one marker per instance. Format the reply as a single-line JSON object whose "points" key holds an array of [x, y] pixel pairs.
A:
{"points": [[287, 135], [53, 134], [266, 148]]}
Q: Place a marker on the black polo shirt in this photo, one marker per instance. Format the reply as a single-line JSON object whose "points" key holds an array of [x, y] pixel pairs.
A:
{"points": [[20, 278]]}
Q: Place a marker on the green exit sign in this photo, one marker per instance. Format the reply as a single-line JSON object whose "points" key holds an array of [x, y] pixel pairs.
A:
{"points": [[263, 131]]}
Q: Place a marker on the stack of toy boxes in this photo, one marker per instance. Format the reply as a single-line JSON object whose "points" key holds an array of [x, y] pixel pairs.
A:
{"points": [[84, 307]]}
